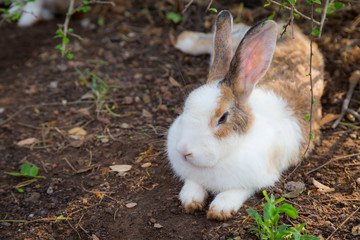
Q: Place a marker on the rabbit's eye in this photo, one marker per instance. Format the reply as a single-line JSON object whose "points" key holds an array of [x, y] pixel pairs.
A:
{"points": [[223, 118]]}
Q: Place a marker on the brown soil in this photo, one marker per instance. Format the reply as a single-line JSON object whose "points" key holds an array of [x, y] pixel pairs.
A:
{"points": [[40, 93]]}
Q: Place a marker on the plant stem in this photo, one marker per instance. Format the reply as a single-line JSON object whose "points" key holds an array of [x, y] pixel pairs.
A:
{"points": [[66, 24]]}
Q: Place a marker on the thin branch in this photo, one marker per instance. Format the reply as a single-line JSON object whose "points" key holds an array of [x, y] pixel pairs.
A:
{"points": [[323, 16], [66, 23], [187, 6], [333, 160], [209, 5], [295, 10], [347, 219]]}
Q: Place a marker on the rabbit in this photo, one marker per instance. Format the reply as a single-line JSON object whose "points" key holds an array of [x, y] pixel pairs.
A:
{"points": [[31, 12], [238, 132]]}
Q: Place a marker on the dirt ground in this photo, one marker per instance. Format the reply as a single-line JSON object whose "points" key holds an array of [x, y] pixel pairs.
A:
{"points": [[43, 97]]}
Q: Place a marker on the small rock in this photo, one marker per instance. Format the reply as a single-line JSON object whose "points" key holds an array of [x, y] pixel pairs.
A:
{"points": [[152, 220], [146, 98], [163, 108], [131, 205], [128, 100], [358, 180], [124, 125], [94, 237], [292, 186], [146, 165], [138, 76], [6, 224], [137, 99], [53, 84], [157, 225], [2, 110], [146, 114], [109, 211], [31, 215], [353, 136], [34, 197], [350, 117], [50, 190], [169, 120]]}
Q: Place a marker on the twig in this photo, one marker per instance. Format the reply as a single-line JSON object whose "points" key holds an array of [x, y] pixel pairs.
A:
{"points": [[71, 166], [187, 6], [295, 10], [347, 219], [211, 1], [73, 229], [323, 16], [333, 160], [353, 80], [291, 18], [66, 23]]}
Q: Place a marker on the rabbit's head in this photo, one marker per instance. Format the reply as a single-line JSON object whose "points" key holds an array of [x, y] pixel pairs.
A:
{"points": [[217, 115]]}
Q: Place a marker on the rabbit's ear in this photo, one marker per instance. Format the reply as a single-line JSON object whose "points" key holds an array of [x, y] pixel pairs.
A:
{"points": [[252, 58], [222, 46]]}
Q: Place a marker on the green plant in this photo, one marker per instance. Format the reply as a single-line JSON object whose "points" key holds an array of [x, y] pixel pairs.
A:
{"points": [[269, 229], [98, 88], [27, 171], [14, 15], [174, 17]]}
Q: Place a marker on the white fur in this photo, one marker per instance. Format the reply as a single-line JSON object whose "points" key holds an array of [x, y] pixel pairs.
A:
{"points": [[35, 11], [238, 165]]}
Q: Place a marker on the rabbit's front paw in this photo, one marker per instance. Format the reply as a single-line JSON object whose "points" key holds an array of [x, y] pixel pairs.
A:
{"points": [[192, 196], [226, 204]]}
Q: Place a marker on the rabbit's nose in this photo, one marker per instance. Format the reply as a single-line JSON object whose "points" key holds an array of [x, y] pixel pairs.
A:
{"points": [[184, 151]]}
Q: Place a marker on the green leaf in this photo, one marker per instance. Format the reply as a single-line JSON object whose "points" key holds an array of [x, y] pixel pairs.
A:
{"points": [[312, 136], [314, 101], [269, 211], [317, 1], [338, 5], [65, 40], [296, 15], [318, 10], [20, 190], [174, 17], [254, 215], [271, 17], [213, 9], [315, 32], [288, 209], [33, 171], [101, 21], [278, 201], [307, 116], [70, 55], [267, 4], [25, 168]]}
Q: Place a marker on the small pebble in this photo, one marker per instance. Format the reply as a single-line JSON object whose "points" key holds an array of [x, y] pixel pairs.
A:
{"points": [[50, 190], [353, 136], [358, 180], [109, 211], [146, 98], [34, 197], [350, 117], [124, 125], [157, 225], [293, 186], [6, 224], [131, 205], [128, 100], [152, 220], [31, 215]]}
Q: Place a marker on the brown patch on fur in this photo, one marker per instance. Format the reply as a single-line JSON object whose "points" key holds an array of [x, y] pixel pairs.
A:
{"points": [[240, 117], [220, 216], [273, 156], [194, 206], [287, 78]]}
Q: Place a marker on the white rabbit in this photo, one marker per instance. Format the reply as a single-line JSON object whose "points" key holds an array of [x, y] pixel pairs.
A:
{"points": [[236, 134], [31, 12]]}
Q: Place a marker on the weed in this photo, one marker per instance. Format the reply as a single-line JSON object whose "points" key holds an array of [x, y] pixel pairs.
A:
{"points": [[99, 89], [174, 17], [269, 229]]}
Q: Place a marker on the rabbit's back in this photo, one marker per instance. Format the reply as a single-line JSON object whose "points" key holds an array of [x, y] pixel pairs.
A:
{"points": [[288, 76]]}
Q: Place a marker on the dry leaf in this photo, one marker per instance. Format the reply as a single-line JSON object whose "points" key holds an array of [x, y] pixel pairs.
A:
{"points": [[146, 165], [120, 168], [78, 131], [27, 141], [174, 83], [146, 114], [322, 188], [356, 230], [329, 118], [131, 205]]}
